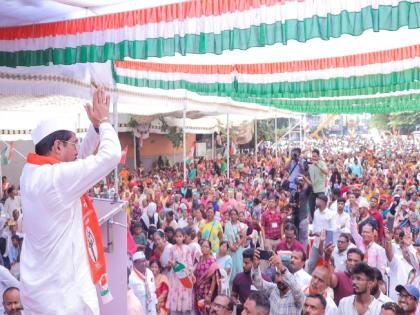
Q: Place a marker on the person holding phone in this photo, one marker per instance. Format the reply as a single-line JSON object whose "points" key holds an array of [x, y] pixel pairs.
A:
{"points": [[284, 292]]}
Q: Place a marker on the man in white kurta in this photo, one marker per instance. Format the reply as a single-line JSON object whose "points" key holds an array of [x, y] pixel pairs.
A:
{"points": [[55, 273]]}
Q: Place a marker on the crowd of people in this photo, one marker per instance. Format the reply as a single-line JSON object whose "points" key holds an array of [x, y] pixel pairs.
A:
{"points": [[11, 237], [331, 227]]}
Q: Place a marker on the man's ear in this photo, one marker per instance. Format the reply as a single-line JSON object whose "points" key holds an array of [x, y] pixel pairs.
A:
{"points": [[56, 146]]}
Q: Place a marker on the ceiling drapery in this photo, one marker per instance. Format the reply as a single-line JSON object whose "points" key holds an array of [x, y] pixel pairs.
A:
{"points": [[199, 27], [382, 81]]}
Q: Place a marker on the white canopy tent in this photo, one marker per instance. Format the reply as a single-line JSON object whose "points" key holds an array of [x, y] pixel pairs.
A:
{"points": [[62, 89]]}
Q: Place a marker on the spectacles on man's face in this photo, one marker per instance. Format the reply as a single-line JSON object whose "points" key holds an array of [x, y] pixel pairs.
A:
{"points": [[406, 296], [75, 143], [219, 306]]}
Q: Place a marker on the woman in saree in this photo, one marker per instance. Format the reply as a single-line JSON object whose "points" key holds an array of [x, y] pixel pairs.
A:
{"points": [[161, 249], [207, 278], [162, 287], [235, 235]]}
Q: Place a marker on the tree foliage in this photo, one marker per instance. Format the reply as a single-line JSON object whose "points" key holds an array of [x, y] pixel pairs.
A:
{"points": [[174, 134], [403, 122]]}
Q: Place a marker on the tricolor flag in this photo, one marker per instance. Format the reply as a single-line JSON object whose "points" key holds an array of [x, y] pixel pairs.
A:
{"points": [[6, 154], [182, 273], [124, 155], [232, 149], [219, 139]]}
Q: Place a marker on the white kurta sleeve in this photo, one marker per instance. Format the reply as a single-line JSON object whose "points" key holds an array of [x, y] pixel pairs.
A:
{"points": [[89, 143], [73, 179]]}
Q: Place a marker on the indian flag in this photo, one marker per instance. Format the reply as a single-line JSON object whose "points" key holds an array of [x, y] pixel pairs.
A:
{"points": [[6, 154]]}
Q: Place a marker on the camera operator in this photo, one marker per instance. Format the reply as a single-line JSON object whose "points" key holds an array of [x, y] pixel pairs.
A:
{"points": [[299, 201], [318, 172], [295, 168]]}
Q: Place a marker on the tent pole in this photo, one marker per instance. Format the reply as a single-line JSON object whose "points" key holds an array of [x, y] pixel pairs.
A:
{"points": [[184, 151], [300, 130], [135, 153], [228, 145], [275, 134], [115, 121], [256, 140], [212, 145]]}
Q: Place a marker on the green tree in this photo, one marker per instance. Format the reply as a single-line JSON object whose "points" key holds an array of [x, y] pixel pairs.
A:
{"points": [[266, 128], [380, 121], [404, 122]]}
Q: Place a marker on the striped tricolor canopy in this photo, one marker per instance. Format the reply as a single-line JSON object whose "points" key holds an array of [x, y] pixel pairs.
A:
{"points": [[316, 56]]}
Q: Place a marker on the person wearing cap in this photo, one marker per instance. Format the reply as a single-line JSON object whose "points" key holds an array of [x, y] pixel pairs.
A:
{"points": [[57, 273], [374, 253], [408, 298], [142, 282]]}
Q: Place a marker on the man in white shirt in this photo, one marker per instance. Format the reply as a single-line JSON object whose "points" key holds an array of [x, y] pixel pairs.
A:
{"points": [[6, 281], [11, 301], [400, 265], [314, 304], [378, 284], [322, 221], [339, 253], [341, 219], [366, 242], [55, 267], [142, 282], [319, 284], [12, 202], [361, 302], [297, 265]]}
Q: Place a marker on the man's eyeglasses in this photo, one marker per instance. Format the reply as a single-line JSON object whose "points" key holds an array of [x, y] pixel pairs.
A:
{"points": [[406, 296], [76, 144], [219, 306]]}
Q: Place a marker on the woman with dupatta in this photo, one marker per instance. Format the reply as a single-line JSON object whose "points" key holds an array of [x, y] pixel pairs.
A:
{"points": [[162, 287], [235, 235], [207, 278]]}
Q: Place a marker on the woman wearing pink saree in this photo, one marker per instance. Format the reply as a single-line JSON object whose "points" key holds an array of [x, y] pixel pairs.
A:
{"points": [[207, 279]]}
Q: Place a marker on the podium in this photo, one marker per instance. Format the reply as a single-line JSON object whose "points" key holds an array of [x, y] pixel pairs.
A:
{"points": [[113, 222]]}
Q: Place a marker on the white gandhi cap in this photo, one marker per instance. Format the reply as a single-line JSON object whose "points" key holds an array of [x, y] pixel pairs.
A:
{"points": [[139, 256], [48, 126]]}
